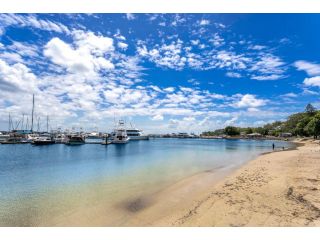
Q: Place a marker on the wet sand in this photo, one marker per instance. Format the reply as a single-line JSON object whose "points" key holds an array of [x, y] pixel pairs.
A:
{"points": [[276, 189]]}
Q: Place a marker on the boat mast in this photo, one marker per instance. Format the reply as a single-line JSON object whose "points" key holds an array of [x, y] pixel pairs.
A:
{"points": [[22, 121], [27, 124], [38, 124], [32, 112], [9, 122], [47, 123]]}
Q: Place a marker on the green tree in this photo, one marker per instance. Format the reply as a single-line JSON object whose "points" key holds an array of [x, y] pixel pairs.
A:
{"points": [[313, 127], [311, 110], [261, 130], [231, 131], [293, 121], [299, 129], [248, 130]]}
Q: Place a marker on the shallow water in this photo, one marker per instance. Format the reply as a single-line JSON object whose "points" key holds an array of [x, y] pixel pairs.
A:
{"points": [[39, 184]]}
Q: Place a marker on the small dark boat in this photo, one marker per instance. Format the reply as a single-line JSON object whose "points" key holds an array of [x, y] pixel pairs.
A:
{"points": [[75, 140]]}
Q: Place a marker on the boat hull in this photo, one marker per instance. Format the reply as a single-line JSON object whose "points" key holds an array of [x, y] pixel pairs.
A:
{"points": [[42, 142], [75, 143], [139, 137], [120, 141]]}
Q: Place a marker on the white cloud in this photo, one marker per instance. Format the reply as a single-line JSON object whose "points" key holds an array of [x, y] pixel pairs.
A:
{"points": [[130, 16], [86, 58], [11, 57], [230, 121], [313, 81], [267, 77], [94, 43], [233, 75], [193, 82], [269, 67], [122, 45], [256, 47], [169, 89], [249, 101], [166, 55], [204, 22], [307, 91], [195, 42], [312, 69], [24, 49], [157, 117], [230, 60], [290, 95], [217, 41], [31, 21], [16, 77]]}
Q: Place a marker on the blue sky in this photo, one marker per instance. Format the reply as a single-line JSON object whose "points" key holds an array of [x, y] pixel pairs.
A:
{"points": [[162, 72]]}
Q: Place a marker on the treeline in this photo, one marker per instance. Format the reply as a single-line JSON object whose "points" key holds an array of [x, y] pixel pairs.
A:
{"points": [[306, 124]]}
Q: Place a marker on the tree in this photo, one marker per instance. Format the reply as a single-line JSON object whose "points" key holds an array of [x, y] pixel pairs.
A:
{"points": [[293, 121], [231, 131], [311, 110], [313, 127], [249, 130]]}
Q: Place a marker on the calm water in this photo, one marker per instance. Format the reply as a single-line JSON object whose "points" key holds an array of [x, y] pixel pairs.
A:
{"points": [[40, 183]]}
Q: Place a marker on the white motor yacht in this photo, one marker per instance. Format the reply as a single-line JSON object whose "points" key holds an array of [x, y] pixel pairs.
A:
{"points": [[120, 134]]}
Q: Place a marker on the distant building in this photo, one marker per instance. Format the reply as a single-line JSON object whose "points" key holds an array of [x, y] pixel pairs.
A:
{"points": [[254, 135], [285, 134]]}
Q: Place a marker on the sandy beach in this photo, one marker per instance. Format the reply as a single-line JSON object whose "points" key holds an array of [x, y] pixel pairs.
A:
{"points": [[276, 189]]}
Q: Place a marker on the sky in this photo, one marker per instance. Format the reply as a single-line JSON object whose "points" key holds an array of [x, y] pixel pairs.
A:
{"points": [[160, 72]]}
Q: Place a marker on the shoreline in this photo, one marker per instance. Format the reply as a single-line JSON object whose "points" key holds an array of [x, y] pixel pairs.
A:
{"points": [[277, 188]]}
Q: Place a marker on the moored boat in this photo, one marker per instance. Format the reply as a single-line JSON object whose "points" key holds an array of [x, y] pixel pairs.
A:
{"points": [[119, 136], [136, 134], [43, 140], [76, 139], [4, 137]]}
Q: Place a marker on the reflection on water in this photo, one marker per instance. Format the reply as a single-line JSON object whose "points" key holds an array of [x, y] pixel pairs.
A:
{"points": [[40, 183]]}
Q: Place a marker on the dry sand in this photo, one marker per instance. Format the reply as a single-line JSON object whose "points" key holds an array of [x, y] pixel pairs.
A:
{"points": [[276, 189]]}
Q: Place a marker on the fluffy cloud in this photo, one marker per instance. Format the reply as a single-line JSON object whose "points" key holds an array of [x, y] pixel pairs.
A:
{"points": [[312, 69], [16, 77], [88, 56], [249, 101], [204, 22], [314, 81], [166, 55], [122, 45]]}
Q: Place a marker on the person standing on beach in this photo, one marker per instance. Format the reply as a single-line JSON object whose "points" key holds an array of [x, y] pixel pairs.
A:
{"points": [[272, 146]]}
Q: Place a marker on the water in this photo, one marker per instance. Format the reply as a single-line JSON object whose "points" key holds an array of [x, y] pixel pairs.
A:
{"points": [[39, 184]]}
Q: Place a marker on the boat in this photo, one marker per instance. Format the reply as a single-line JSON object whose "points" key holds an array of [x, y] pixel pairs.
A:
{"points": [[44, 139], [119, 136], [136, 134], [60, 138], [183, 135], [4, 137], [75, 139], [93, 135]]}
